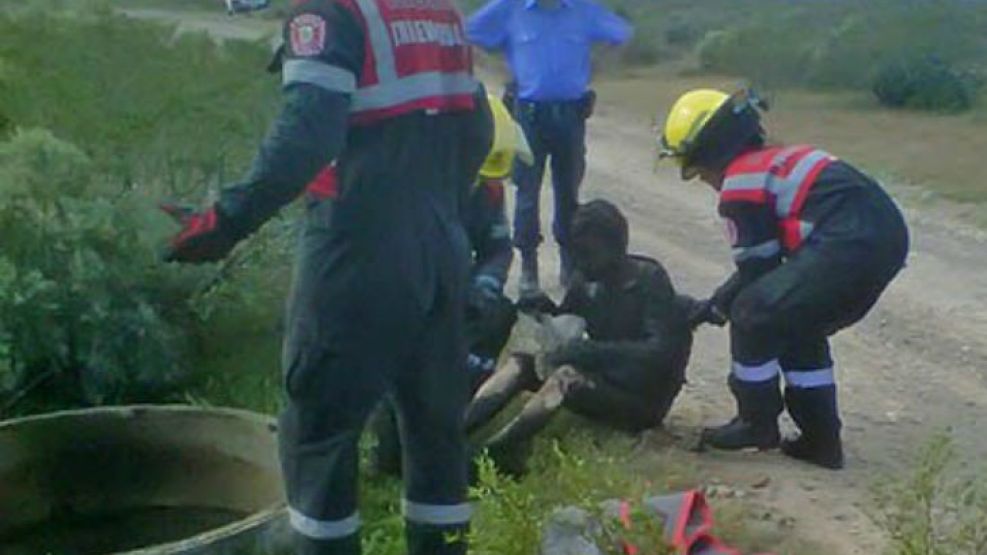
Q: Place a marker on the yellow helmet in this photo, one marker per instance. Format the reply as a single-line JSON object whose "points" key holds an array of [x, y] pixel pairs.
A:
{"points": [[707, 127], [509, 141]]}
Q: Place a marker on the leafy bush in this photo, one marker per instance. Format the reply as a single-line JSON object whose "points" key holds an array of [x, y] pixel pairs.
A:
{"points": [[753, 52], [925, 84], [89, 315], [932, 511], [83, 305], [681, 32], [840, 44]]}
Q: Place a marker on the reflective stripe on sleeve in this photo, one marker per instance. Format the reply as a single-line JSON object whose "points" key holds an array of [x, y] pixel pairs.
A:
{"points": [[320, 74]]}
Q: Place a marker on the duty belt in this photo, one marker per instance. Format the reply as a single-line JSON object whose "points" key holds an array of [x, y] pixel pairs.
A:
{"points": [[551, 108]]}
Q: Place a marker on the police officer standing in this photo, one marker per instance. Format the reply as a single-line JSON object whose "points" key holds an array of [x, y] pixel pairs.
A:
{"points": [[547, 44], [384, 88]]}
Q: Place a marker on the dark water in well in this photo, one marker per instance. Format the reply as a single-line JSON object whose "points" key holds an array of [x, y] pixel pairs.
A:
{"points": [[113, 533]]}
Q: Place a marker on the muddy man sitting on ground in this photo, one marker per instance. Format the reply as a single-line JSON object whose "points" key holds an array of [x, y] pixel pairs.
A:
{"points": [[628, 370]]}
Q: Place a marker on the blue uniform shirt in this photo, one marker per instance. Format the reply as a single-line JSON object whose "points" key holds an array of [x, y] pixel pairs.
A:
{"points": [[548, 50]]}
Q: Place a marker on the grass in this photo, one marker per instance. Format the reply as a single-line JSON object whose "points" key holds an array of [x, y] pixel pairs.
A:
{"points": [[936, 508], [939, 153], [574, 463]]}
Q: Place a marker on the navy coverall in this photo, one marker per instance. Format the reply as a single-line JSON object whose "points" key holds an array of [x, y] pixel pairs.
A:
{"points": [[816, 243]]}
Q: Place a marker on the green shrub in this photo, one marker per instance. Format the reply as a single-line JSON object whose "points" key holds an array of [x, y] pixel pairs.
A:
{"points": [[84, 307], [924, 84], [682, 33], [89, 314], [841, 44], [753, 52]]}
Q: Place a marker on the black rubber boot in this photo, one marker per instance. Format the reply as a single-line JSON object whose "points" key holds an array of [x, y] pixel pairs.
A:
{"points": [[816, 413], [756, 425]]}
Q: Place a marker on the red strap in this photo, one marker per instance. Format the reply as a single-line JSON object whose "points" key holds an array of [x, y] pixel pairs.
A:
{"points": [[757, 196], [806, 185], [755, 161], [326, 184], [495, 191]]}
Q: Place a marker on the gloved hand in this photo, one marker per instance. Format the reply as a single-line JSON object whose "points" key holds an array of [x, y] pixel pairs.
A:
{"points": [[484, 293], [536, 304], [203, 237], [705, 311]]}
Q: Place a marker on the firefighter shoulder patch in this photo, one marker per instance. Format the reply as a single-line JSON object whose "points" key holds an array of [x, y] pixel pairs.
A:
{"points": [[307, 34]]}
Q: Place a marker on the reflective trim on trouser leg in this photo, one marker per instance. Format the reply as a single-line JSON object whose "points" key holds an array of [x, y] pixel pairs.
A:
{"points": [[323, 529], [440, 515], [756, 373], [810, 379]]}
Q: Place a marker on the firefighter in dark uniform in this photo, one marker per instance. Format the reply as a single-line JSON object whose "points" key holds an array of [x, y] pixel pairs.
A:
{"points": [[385, 90], [490, 316], [629, 369], [816, 242]]}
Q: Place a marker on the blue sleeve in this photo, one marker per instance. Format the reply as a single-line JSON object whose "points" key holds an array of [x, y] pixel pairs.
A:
{"points": [[487, 28], [606, 26]]}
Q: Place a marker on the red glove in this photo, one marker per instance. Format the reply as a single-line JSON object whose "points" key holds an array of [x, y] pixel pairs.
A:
{"points": [[202, 238]]}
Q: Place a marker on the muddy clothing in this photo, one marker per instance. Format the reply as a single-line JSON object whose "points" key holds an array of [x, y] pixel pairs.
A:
{"points": [[625, 375], [380, 287], [639, 342], [816, 242]]}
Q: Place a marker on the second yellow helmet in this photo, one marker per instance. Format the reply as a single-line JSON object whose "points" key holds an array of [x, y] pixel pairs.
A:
{"points": [[509, 142]]}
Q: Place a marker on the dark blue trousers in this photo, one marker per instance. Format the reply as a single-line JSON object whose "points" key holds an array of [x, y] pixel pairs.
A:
{"points": [[556, 132]]}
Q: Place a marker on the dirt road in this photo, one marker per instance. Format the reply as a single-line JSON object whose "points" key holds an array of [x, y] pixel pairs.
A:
{"points": [[916, 365]]}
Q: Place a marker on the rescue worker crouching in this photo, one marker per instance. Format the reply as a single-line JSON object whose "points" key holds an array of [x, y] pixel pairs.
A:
{"points": [[380, 284], [815, 241], [628, 371], [490, 316]]}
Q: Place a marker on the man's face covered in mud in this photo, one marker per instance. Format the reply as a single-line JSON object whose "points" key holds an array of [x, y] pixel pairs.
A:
{"points": [[599, 240], [594, 256]]}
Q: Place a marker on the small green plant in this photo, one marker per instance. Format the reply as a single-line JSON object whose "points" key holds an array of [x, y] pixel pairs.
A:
{"points": [[932, 510]]}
